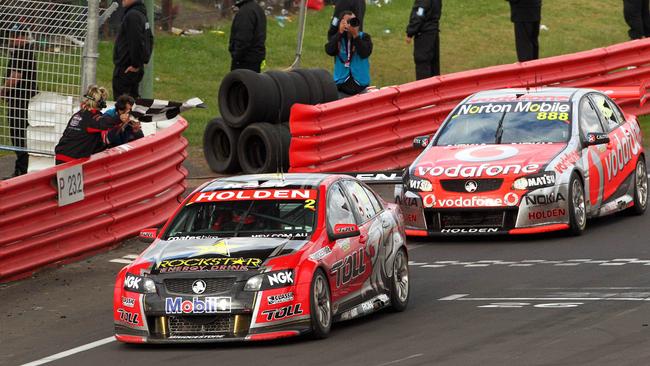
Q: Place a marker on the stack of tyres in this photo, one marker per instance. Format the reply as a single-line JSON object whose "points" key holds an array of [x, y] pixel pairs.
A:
{"points": [[252, 134]]}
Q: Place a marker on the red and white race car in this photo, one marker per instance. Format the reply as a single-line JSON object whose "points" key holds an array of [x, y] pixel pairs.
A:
{"points": [[264, 256], [518, 161]]}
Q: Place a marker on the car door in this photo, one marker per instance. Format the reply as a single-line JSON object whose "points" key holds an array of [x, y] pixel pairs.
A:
{"points": [[595, 174], [346, 264], [370, 244], [619, 160]]}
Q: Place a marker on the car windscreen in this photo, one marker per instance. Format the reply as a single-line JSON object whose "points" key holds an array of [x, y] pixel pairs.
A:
{"points": [[282, 213], [507, 123]]}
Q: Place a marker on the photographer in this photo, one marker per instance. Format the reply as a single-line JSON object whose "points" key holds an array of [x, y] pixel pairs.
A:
{"points": [[83, 134], [126, 128], [351, 49], [357, 7]]}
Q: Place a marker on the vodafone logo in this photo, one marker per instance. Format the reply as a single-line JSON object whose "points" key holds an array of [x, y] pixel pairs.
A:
{"points": [[486, 153], [511, 199]]}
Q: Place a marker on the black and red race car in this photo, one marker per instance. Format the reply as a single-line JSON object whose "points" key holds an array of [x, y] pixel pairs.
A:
{"points": [[517, 161], [260, 257]]}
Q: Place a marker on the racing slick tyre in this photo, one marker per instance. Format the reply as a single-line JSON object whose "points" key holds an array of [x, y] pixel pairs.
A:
{"points": [[246, 97], [315, 88], [328, 86], [220, 146], [577, 206], [399, 284], [302, 89], [640, 187], [320, 306], [287, 94], [260, 148]]}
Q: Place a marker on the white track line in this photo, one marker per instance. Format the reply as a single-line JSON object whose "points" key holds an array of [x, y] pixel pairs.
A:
{"points": [[71, 352]]}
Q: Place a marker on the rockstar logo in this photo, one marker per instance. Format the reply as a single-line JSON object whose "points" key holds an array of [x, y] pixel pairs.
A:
{"points": [[220, 247], [238, 261]]}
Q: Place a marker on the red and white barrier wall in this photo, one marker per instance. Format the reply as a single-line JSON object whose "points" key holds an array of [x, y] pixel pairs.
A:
{"points": [[374, 131], [127, 188]]}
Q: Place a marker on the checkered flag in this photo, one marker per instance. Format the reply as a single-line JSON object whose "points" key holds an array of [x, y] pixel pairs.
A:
{"points": [[154, 110]]}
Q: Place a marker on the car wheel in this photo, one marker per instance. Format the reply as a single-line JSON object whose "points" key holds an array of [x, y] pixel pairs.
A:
{"points": [[640, 187], [399, 289], [321, 306], [577, 206]]}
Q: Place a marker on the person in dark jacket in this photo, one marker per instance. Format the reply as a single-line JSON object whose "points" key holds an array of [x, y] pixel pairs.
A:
{"points": [[424, 25], [247, 36], [351, 49], [126, 129], [357, 7], [526, 16], [18, 88], [83, 134], [637, 16], [132, 49]]}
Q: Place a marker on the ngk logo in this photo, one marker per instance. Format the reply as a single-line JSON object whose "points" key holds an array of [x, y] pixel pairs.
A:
{"points": [[132, 282], [280, 278]]}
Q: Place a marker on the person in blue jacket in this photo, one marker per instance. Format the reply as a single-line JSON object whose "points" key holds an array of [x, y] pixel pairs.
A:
{"points": [[351, 49]]}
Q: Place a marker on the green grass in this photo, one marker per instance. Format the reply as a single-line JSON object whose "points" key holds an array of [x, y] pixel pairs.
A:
{"points": [[474, 33]]}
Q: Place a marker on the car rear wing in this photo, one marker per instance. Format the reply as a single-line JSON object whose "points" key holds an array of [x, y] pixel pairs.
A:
{"points": [[639, 92], [383, 177]]}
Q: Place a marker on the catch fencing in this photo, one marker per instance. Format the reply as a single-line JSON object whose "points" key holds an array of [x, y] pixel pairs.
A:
{"points": [[375, 131], [133, 186], [42, 44]]}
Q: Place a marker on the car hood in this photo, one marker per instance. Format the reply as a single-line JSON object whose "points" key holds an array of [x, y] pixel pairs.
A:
{"points": [[216, 254], [484, 161]]}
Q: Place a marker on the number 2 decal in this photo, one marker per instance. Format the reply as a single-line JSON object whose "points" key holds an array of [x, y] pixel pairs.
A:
{"points": [[309, 204]]}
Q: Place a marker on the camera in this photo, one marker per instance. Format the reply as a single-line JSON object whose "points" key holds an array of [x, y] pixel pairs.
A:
{"points": [[354, 22]]}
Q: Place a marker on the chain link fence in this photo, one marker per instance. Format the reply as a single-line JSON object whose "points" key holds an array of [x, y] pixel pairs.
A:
{"points": [[41, 60]]}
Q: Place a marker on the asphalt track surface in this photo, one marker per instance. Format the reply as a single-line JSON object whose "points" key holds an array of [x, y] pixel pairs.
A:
{"points": [[541, 300]]}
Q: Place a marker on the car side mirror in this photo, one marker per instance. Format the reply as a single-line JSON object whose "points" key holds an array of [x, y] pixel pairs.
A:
{"points": [[597, 139], [148, 235], [342, 231], [421, 142]]}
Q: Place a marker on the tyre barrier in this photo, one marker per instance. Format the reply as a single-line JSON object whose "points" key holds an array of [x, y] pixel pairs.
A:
{"points": [[126, 189], [247, 98], [375, 131]]}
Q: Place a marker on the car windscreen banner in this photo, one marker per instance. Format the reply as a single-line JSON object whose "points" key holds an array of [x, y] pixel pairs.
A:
{"points": [[534, 110], [254, 195]]}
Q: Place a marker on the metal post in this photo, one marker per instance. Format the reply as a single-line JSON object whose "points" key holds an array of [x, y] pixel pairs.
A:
{"points": [[146, 85], [91, 53], [301, 33]]}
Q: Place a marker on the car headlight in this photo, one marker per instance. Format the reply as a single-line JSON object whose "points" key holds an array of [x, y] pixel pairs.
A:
{"points": [[417, 184], [529, 182], [254, 283], [139, 284]]}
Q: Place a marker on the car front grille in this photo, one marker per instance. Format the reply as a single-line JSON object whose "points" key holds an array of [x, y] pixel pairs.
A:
{"points": [[183, 286], [200, 326], [461, 219], [482, 185]]}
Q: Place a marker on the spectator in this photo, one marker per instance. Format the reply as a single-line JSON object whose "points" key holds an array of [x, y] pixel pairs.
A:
{"points": [[424, 25], [126, 128], [83, 134], [132, 49], [526, 16], [637, 16], [357, 7], [247, 36], [18, 88], [351, 49]]}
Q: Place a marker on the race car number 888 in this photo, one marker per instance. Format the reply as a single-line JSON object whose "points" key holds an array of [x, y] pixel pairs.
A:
{"points": [[553, 116]]}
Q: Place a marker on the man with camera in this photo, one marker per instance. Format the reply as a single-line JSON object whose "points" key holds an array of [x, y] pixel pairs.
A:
{"points": [[424, 26], [357, 7], [351, 49], [126, 128]]}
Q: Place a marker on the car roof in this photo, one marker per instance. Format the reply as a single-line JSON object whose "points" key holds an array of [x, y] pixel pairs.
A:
{"points": [[275, 180], [537, 92]]}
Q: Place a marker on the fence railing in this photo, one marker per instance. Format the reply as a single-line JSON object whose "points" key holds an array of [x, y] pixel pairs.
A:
{"points": [[374, 131], [126, 189]]}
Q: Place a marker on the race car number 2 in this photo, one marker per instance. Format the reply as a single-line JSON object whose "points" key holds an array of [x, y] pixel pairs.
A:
{"points": [[70, 185]]}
